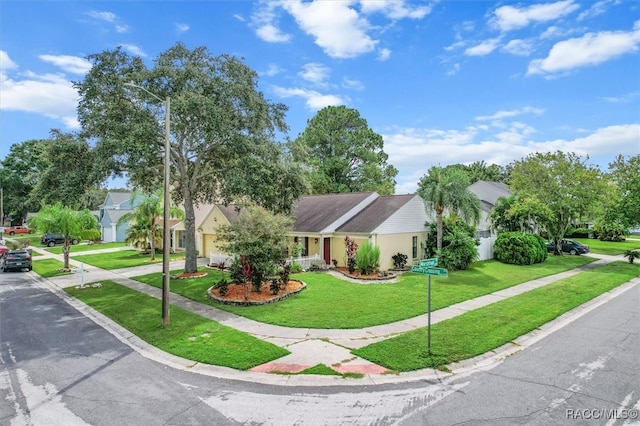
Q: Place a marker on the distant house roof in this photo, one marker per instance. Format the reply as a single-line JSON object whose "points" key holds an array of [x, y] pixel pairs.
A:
{"points": [[113, 216], [318, 213], [115, 198], [375, 213], [489, 192], [229, 211]]}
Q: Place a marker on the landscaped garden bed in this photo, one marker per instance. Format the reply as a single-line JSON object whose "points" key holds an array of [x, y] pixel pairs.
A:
{"points": [[237, 294]]}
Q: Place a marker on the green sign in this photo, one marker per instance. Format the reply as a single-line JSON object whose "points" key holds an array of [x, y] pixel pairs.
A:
{"points": [[440, 272], [429, 262]]}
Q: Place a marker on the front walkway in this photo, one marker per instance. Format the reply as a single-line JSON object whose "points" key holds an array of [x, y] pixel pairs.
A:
{"points": [[308, 346]]}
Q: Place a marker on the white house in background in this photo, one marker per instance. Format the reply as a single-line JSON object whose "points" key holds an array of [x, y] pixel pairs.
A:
{"points": [[116, 204], [488, 193]]}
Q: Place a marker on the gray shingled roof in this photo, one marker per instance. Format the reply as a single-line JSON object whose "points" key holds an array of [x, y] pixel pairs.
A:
{"points": [[375, 213], [314, 213], [230, 211], [489, 192], [119, 197]]}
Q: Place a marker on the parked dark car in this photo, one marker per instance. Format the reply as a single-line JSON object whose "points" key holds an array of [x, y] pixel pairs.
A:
{"points": [[570, 246], [16, 259], [51, 240]]}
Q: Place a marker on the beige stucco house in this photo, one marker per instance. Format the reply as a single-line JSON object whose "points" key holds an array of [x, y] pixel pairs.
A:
{"points": [[395, 223]]}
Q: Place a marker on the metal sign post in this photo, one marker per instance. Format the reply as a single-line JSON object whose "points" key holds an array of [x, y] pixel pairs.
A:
{"points": [[428, 267]]}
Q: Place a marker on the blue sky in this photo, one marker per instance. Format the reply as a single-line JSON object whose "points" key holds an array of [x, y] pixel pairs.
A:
{"points": [[443, 82]]}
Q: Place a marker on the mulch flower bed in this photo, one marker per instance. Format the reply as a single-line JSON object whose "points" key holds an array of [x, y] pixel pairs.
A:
{"points": [[237, 293]]}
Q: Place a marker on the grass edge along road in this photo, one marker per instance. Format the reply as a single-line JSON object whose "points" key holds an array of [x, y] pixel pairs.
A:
{"points": [[189, 335], [484, 329]]}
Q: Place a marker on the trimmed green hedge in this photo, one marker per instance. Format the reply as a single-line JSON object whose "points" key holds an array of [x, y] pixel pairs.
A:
{"points": [[519, 248]]}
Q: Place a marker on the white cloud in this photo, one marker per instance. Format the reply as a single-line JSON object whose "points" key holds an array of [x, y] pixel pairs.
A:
{"points": [[588, 50], [337, 28], [272, 70], [384, 54], [352, 84], [315, 73], [134, 50], [508, 18], [394, 9], [5, 62], [103, 16], [50, 95], [597, 8], [483, 48], [272, 34], [519, 47], [510, 113], [181, 28], [72, 64], [313, 99], [414, 151]]}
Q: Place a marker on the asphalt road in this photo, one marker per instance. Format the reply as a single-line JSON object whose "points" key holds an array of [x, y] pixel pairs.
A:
{"points": [[60, 368]]}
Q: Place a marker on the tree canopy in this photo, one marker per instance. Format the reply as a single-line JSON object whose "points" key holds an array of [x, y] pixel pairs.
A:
{"points": [[563, 182], [342, 154], [447, 188], [60, 219], [223, 130]]}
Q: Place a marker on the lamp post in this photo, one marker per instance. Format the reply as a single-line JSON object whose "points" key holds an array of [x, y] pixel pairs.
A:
{"points": [[167, 204]]}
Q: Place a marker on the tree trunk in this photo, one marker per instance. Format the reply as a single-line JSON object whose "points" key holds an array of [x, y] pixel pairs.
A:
{"points": [[65, 253], [439, 230], [153, 238], [191, 256]]}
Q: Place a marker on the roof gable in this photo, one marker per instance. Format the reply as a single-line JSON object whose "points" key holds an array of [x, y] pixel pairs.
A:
{"points": [[376, 213]]}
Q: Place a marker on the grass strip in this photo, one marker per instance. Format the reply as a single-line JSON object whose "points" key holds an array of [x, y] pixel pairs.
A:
{"points": [[612, 248], [330, 302], [188, 335], [48, 267], [122, 259], [320, 370], [79, 248], [490, 327]]}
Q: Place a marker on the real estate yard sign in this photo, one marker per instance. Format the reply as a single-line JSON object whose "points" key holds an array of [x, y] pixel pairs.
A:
{"points": [[429, 267]]}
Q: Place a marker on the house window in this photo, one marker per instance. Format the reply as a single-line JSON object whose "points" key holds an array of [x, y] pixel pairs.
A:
{"points": [[414, 245]]}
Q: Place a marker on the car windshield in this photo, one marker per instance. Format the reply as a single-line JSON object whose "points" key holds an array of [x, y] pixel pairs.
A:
{"points": [[22, 255]]}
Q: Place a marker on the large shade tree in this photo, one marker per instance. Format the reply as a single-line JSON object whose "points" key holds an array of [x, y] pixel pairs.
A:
{"points": [[447, 188], [625, 175], [223, 130], [60, 219], [565, 183], [342, 154], [20, 172], [68, 172]]}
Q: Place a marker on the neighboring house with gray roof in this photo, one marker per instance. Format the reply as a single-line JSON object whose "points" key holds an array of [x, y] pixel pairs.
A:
{"points": [[116, 205], [488, 193]]}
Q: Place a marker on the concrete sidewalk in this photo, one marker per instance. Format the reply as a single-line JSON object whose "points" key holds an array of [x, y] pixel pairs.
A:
{"points": [[308, 347]]}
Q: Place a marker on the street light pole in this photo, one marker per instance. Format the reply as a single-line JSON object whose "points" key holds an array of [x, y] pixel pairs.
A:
{"points": [[166, 237]]}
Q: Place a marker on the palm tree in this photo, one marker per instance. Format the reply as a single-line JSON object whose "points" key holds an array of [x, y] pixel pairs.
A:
{"points": [[144, 219], [448, 189], [63, 220]]}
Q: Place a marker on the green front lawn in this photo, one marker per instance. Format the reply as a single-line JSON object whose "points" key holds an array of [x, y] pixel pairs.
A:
{"points": [[121, 259], [48, 268], [188, 335], [79, 248], [329, 302], [608, 247], [490, 327]]}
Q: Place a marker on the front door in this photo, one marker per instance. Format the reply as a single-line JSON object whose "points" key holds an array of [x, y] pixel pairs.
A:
{"points": [[327, 251]]}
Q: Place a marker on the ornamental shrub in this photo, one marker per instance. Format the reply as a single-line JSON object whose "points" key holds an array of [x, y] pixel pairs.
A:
{"points": [[519, 248], [368, 258], [399, 260]]}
